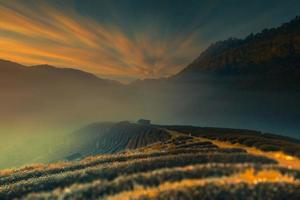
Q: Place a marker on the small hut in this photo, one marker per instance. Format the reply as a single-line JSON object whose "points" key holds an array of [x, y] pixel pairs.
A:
{"points": [[144, 121]]}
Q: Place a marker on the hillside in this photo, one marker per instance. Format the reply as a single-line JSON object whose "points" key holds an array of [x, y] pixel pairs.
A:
{"points": [[251, 138], [263, 58], [182, 167], [51, 95], [103, 138]]}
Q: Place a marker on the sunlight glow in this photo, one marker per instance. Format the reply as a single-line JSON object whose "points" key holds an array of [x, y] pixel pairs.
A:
{"points": [[46, 34]]}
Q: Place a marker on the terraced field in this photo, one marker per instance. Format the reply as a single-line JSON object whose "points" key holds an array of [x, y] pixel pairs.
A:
{"points": [[182, 167], [105, 138]]}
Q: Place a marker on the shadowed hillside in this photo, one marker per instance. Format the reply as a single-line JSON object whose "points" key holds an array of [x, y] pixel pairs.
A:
{"points": [[268, 60]]}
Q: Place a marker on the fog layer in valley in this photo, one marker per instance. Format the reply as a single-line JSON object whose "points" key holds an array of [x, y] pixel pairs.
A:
{"points": [[37, 122]]}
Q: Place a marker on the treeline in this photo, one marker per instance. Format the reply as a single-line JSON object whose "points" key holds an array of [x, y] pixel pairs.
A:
{"points": [[274, 52]]}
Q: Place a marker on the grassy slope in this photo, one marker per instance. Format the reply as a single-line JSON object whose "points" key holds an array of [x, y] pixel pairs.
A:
{"points": [[183, 167]]}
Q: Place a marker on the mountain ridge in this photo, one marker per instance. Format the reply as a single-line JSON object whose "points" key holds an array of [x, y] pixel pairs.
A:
{"points": [[253, 53], [269, 53], [7, 66]]}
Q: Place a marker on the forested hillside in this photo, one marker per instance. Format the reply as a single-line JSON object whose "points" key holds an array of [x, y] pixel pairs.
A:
{"points": [[273, 54]]}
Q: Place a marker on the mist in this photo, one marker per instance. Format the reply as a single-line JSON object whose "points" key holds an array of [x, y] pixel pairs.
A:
{"points": [[41, 108]]}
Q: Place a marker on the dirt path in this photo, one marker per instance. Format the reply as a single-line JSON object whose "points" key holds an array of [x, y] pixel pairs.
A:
{"points": [[283, 159]]}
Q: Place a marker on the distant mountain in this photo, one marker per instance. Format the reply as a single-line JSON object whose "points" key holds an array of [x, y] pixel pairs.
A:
{"points": [[48, 94], [11, 71], [270, 56]]}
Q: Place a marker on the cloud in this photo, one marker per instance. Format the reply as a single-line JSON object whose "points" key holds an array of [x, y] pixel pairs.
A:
{"points": [[44, 33]]}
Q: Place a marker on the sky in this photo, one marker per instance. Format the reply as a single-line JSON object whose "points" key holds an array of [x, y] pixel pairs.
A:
{"points": [[126, 40]]}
